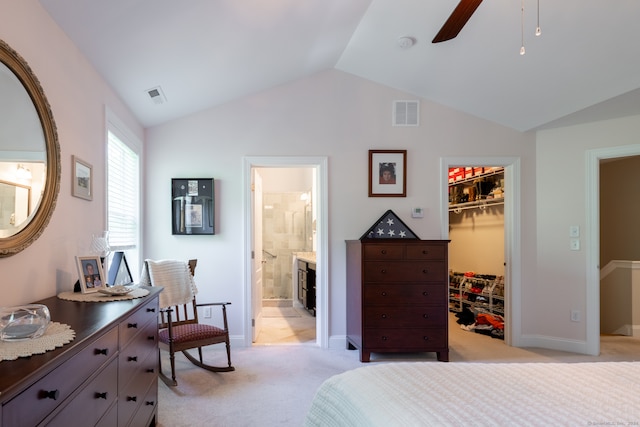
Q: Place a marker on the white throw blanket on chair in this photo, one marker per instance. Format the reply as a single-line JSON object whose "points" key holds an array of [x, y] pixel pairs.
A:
{"points": [[174, 276]]}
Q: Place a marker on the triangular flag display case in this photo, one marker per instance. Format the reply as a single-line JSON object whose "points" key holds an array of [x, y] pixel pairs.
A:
{"points": [[389, 226]]}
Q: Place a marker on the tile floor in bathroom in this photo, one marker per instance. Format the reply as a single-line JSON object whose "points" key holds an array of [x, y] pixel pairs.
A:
{"points": [[286, 325]]}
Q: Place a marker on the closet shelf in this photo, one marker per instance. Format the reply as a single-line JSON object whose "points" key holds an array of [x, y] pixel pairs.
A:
{"points": [[480, 204]]}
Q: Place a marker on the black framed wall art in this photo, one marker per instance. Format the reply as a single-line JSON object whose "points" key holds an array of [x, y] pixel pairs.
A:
{"points": [[192, 206]]}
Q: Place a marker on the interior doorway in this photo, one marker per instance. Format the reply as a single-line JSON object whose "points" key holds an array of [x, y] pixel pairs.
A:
{"points": [[286, 219], [287, 231], [476, 249], [592, 239], [512, 255]]}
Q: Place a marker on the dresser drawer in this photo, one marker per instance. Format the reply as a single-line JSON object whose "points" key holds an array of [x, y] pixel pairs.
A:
{"points": [[406, 339], [147, 407], [134, 358], [412, 316], [88, 406], [394, 293], [32, 405], [420, 271], [382, 251], [133, 394], [134, 323], [426, 252]]}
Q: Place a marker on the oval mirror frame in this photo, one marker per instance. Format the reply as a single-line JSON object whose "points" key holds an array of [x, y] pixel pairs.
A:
{"points": [[13, 244]]}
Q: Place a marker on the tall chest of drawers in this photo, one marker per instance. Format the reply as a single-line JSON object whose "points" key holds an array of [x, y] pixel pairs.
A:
{"points": [[107, 376], [397, 296]]}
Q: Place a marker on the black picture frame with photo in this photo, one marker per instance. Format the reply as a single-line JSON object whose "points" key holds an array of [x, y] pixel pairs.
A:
{"points": [[192, 206], [119, 273]]}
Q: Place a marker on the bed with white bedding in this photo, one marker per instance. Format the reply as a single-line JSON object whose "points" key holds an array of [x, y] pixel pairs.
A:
{"points": [[480, 394]]}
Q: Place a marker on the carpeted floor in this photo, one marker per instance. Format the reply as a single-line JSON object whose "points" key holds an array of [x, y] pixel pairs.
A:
{"points": [[273, 385]]}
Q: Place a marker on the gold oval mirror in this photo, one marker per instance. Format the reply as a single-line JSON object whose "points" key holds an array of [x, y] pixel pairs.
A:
{"points": [[29, 155]]}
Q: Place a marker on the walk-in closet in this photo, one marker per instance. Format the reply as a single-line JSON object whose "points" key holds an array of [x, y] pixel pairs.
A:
{"points": [[476, 251]]}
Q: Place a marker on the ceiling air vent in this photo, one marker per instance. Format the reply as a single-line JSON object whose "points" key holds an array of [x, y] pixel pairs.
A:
{"points": [[156, 95], [406, 113]]}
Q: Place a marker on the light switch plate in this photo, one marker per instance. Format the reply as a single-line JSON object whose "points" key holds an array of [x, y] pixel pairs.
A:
{"points": [[574, 244], [574, 231]]}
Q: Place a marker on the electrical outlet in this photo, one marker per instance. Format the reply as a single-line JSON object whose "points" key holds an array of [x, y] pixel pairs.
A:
{"points": [[207, 312], [575, 316]]}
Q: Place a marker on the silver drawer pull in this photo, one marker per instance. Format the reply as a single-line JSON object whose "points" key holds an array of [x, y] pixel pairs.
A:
{"points": [[384, 294], [384, 316], [101, 395]]}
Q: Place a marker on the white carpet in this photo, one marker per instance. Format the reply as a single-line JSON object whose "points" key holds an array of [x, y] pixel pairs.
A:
{"points": [[271, 386]]}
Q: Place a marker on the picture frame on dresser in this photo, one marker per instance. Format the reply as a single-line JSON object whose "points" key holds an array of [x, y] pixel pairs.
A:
{"points": [[90, 274], [387, 173]]}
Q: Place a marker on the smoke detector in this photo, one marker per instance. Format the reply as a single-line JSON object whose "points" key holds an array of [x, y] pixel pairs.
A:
{"points": [[406, 42], [157, 95]]}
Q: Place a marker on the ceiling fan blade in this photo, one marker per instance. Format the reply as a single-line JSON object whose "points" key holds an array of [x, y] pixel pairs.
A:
{"points": [[457, 20]]}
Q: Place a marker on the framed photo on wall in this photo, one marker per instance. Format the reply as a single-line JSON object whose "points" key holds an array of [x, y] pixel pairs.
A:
{"points": [[82, 179], [192, 206], [90, 274], [387, 173]]}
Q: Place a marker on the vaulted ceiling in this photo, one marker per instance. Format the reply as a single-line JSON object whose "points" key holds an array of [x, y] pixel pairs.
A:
{"points": [[203, 53]]}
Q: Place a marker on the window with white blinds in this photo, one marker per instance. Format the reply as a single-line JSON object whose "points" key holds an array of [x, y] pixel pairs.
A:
{"points": [[123, 211]]}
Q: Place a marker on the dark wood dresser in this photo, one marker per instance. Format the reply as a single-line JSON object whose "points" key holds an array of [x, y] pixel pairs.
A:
{"points": [[397, 296], [107, 376]]}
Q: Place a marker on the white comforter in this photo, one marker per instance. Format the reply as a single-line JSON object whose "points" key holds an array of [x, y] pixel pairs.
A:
{"points": [[481, 394]]}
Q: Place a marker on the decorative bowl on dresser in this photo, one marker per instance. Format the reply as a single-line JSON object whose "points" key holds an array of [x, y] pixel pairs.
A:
{"points": [[106, 376]]}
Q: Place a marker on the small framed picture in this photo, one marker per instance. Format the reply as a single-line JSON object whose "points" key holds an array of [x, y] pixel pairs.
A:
{"points": [[193, 205], [82, 179], [387, 173], [90, 273]]}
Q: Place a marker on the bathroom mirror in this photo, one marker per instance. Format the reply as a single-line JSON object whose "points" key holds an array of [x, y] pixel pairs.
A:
{"points": [[29, 155]]}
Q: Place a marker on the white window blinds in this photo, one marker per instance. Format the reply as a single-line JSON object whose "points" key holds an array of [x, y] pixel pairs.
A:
{"points": [[122, 195]]}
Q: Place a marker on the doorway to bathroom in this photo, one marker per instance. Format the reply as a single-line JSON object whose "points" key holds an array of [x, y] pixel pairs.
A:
{"points": [[286, 227], [288, 235]]}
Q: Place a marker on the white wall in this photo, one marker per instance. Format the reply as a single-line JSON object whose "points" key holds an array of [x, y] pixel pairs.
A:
{"points": [[562, 201], [331, 114], [77, 95]]}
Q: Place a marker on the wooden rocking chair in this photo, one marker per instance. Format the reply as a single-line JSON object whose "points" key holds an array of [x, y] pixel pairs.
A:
{"points": [[179, 329]]}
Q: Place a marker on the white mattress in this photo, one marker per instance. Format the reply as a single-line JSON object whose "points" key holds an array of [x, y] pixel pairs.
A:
{"points": [[480, 394]]}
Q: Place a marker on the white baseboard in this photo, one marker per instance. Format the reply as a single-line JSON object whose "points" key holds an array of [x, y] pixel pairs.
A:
{"points": [[555, 343]]}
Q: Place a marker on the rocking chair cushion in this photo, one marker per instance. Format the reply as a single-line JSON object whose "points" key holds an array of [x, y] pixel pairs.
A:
{"points": [[190, 333]]}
